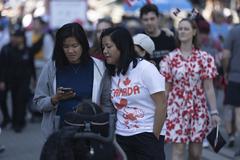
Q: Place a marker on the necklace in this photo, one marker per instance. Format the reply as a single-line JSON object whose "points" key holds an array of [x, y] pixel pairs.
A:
{"points": [[75, 68], [185, 54]]}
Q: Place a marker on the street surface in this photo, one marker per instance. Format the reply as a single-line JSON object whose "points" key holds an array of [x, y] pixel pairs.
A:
{"points": [[27, 146]]}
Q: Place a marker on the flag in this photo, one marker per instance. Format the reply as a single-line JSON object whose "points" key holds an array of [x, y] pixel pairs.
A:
{"points": [[131, 2], [149, 1]]}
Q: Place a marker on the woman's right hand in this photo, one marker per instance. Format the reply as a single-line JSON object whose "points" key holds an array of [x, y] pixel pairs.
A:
{"points": [[62, 95]]}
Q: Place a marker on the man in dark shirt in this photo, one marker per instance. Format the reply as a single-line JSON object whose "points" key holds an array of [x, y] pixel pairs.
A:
{"points": [[164, 42]]}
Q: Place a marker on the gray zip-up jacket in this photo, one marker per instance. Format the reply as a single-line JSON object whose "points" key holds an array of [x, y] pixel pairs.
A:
{"points": [[46, 88]]}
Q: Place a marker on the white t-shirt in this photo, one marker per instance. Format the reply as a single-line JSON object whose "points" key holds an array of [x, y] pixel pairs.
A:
{"points": [[131, 96]]}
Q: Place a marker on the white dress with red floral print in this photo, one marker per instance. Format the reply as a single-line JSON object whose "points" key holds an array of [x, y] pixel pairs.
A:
{"points": [[187, 113]]}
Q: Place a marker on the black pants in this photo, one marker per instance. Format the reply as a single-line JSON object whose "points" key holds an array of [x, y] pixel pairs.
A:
{"points": [[20, 94], [3, 104], [143, 146]]}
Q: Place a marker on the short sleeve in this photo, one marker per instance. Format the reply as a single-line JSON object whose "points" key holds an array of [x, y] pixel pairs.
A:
{"points": [[152, 79], [208, 69], [165, 68]]}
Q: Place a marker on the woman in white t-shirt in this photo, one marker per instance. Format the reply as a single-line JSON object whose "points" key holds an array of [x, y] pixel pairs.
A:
{"points": [[138, 94]]}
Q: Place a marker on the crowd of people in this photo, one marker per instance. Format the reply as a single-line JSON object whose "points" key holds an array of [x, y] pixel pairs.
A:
{"points": [[163, 86]]}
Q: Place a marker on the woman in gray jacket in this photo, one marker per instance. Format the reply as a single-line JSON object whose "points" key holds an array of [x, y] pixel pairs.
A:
{"points": [[70, 77]]}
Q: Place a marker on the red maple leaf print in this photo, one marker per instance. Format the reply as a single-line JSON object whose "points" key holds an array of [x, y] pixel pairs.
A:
{"points": [[121, 104], [126, 81], [136, 126], [130, 116]]}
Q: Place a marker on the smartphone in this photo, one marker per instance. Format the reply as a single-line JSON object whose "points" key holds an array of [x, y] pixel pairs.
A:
{"points": [[67, 89]]}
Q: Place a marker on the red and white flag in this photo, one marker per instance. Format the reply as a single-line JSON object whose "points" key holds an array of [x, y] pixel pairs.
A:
{"points": [[131, 2], [149, 1]]}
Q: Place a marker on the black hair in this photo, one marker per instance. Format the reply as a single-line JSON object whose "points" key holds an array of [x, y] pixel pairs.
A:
{"points": [[194, 27], [88, 108], [62, 145], [70, 30], [149, 8], [203, 26], [121, 37], [40, 19], [106, 20], [202, 23], [147, 56], [19, 32]]}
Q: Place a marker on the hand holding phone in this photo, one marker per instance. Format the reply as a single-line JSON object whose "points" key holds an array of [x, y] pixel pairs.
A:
{"points": [[65, 93], [62, 94], [66, 89]]}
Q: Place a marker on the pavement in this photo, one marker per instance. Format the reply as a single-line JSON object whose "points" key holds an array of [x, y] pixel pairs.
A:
{"points": [[22, 146], [208, 154], [27, 146]]}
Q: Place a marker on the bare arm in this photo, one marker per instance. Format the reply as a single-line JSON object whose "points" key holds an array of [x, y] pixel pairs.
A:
{"points": [[160, 112], [209, 90], [2, 86], [168, 89], [225, 62]]}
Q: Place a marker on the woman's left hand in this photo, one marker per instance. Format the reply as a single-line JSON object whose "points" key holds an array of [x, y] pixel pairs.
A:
{"points": [[215, 120], [156, 134]]}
